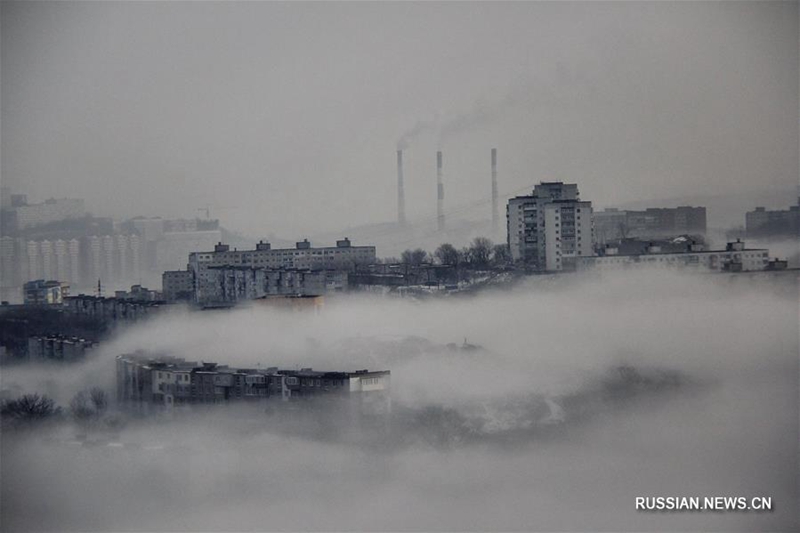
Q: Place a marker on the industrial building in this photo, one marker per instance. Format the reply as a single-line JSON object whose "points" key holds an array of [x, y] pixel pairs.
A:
{"points": [[549, 228]]}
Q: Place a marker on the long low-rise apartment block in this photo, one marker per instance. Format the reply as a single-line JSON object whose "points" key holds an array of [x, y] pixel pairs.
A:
{"points": [[225, 277], [58, 348], [734, 258], [148, 382]]}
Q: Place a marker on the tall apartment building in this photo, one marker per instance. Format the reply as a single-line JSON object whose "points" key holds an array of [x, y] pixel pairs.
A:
{"points": [[550, 227], [113, 259], [9, 269]]}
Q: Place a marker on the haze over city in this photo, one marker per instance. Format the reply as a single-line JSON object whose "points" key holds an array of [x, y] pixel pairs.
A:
{"points": [[256, 109]]}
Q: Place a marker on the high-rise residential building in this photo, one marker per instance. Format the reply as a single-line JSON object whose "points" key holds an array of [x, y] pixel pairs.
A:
{"points": [[136, 256], [48, 259], [94, 251], [74, 252], [109, 270], [550, 227], [34, 261], [124, 255], [113, 259], [10, 268], [62, 264]]}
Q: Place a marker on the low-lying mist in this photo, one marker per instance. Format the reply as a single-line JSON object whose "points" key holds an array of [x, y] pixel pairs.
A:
{"points": [[548, 406]]}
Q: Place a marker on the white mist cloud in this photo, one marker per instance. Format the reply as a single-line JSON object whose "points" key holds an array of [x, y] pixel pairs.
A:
{"points": [[731, 430]]}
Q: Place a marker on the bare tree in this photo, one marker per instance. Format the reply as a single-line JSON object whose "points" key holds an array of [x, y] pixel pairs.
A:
{"points": [[414, 257], [29, 408], [82, 409], [99, 400], [480, 252], [501, 255], [447, 254]]}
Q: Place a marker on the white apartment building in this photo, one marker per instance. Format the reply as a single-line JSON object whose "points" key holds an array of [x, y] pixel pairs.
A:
{"points": [[549, 228], [114, 259], [567, 233], [343, 256], [735, 258]]}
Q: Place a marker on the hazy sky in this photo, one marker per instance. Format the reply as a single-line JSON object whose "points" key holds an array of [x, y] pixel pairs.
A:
{"points": [[285, 117]]}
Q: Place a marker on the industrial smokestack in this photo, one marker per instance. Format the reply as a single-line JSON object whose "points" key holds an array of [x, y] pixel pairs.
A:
{"points": [[401, 193], [495, 213], [439, 192]]}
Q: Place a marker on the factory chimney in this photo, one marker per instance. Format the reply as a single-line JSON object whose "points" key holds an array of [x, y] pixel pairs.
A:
{"points": [[401, 193], [439, 192], [495, 213]]}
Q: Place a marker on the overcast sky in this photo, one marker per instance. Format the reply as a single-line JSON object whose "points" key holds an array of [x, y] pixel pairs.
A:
{"points": [[285, 117]]}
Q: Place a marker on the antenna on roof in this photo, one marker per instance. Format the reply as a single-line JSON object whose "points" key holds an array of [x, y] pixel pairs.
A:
{"points": [[99, 289]]}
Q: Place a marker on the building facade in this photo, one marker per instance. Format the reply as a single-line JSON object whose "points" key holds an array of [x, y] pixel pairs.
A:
{"points": [[229, 285], [764, 223], [177, 286], [734, 258], [41, 292], [149, 383], [53, 210], [58, 348], [612, 224], [549, 228], [224, 273], [110, 310]]}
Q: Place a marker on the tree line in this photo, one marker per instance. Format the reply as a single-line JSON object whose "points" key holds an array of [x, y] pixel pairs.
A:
{"points": [[88, 409], [480, 254]]}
